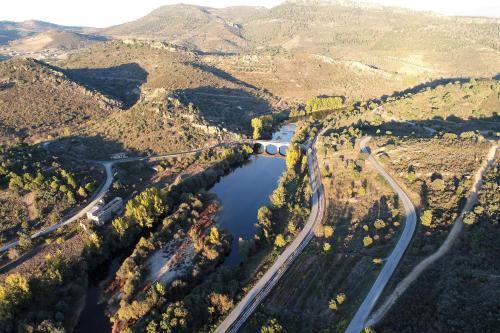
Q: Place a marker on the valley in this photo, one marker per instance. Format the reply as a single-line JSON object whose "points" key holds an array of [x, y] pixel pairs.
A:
{"points": [[316, 166]]}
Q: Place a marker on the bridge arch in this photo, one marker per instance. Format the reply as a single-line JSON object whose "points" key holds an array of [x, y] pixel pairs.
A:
{"points": [[270, 147]]}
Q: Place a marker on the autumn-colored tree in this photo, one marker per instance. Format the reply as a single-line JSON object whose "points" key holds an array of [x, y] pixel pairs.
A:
{"points": [[279, 241], [328, 231], [293, 156], [272, 326], [214, 236], [469, 218], [327, 247], [379, 224], [367, 241], [426, 218], [264, 221], [257, 126], [222, 303], [332, 305], [278, 197]]}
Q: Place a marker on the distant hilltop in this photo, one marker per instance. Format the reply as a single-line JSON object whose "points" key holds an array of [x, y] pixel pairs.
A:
{"points": [[347, 3]]}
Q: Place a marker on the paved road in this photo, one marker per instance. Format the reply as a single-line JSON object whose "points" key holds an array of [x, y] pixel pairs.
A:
{"points": [[358, 322], [257, 294], [100, 194], [452, 236]]}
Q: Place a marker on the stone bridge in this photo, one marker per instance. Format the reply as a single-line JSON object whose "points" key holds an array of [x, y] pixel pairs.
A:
{"points": [[265, 144]]}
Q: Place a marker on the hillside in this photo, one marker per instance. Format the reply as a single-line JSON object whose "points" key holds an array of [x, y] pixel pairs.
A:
{"points": [[392, 39], [196, 27], [128, 70], [53, 39], [38, 101], [10, 31]]}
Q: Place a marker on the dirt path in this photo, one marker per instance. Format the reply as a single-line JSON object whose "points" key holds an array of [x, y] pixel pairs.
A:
{"points": [[452, 236]]}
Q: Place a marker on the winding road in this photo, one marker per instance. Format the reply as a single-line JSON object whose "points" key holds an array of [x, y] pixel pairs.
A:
{"points": [[359, 320], [452, 236], [243, 310], [108, 167]]}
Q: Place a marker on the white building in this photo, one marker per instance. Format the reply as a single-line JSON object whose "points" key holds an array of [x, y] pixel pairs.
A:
{"points": [[103, 213]]}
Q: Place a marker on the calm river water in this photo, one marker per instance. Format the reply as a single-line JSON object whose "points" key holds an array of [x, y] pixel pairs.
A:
{"points": [[241, 193], [245, 190]]}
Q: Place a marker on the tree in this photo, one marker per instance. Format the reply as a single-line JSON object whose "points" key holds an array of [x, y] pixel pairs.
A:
{"points": [[272, 326], [25, 242], [214, 236], [14, 292], [379, 224], [426, 218], [221, 302], [264, 221], [293, 156], [279, 241], [328, 231], [340, 298], [174, 318], [438, 184], [327, 247], [257, 127], [332, 305], [81, 192], [469, 218], [278, 197], [367, 241]]}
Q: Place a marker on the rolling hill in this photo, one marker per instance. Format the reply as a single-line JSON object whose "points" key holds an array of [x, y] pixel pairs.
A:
{"points": [[11, 31], [38, 101], [391, 39], [54, 39]]}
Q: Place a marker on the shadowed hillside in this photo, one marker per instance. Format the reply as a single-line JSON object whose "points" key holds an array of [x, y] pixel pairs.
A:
{"points": [[171, 71]]}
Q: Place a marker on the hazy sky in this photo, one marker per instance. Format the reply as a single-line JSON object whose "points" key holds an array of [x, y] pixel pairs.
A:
{"points": [[102, 13]]}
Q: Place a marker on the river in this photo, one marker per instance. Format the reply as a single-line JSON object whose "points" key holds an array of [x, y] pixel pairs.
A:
{"points": [[241, 193]]}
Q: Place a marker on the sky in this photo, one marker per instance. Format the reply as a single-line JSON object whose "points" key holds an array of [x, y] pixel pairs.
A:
{"points": [[104, 13]]}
